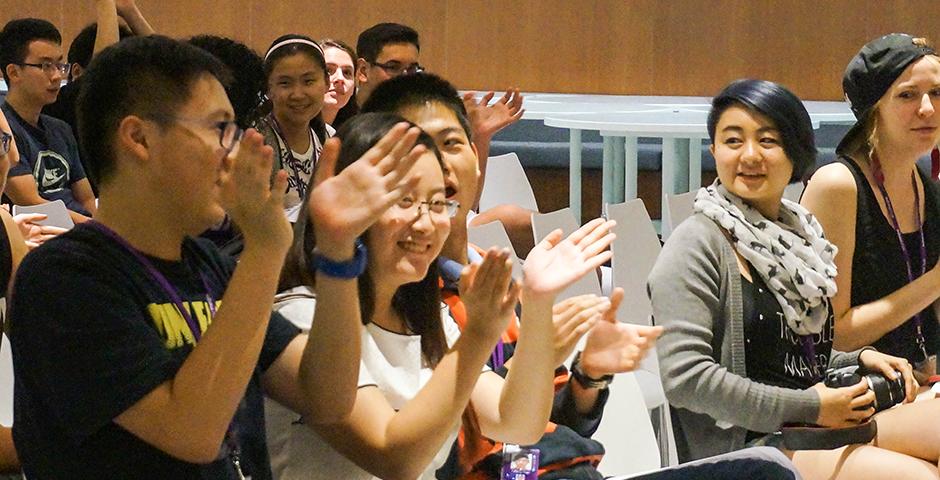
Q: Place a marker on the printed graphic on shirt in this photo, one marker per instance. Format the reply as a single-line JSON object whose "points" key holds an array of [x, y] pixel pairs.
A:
{"points": [[795, 363], [51, 172], [172, 326]]}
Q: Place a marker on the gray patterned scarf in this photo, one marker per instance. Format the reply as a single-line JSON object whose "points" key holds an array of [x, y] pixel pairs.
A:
{"points": [[790, 254]]}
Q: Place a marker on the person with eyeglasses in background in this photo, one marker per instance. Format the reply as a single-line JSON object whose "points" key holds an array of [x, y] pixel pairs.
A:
{"points": [[385, 50], [50, 167]]}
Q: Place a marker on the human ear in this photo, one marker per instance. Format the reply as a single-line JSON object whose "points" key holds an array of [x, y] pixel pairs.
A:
{"points": [[131, 137], [361, 66]]}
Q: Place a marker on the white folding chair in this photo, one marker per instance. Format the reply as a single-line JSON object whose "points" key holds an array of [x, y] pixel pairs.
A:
{"points": [[6, 383], [626, 431], [635, 251], [493, 234], [507, 183], [678, 208]]}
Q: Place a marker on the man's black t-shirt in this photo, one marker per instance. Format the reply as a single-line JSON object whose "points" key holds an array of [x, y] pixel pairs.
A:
{"points": [[92, 334]]}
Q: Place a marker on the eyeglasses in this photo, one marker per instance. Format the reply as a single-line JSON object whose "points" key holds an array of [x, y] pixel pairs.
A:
{"points": [[5, 140], [395, 69], [229, 131], [433, 207], [50, 68]]}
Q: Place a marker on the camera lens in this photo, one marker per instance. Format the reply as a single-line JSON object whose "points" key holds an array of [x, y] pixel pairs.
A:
{"points": [[888, 392]]}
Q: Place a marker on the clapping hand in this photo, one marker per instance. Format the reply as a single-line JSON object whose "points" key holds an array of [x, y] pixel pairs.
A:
{"points": [[556, 263], [572, 318], [488, 294], [249, 196], [616, 347]]}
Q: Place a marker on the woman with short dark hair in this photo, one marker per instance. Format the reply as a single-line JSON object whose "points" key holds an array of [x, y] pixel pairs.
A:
{"points": [[742, 289]]}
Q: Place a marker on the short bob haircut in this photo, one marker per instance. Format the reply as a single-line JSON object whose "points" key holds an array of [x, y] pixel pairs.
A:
{"points": [[783, 108]]}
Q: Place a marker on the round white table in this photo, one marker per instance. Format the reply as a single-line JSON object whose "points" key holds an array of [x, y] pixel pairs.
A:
{"points": [[679, 121]]}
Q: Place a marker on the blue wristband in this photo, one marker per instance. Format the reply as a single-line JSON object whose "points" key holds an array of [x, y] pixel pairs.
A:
{"points": [[349, 269]]}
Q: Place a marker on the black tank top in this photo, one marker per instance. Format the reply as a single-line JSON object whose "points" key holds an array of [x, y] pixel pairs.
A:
{"points": [[879, 269]]}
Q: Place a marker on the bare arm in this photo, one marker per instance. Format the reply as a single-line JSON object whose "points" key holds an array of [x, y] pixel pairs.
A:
{"points": [[525, 398], [831, 196], [82, 192], [401, 444], [131, 14], [187, 417], [22, 191], [364, 190], [107, 18]]}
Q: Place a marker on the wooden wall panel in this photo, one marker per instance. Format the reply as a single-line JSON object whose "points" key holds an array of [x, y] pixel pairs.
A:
{"points": [[689, 47]]}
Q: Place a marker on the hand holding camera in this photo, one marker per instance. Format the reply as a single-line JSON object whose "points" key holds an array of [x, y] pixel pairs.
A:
{"points": [[844, 405]]}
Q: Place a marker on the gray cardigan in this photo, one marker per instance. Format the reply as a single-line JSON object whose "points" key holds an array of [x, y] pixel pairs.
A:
{"points": [[695, 289]]}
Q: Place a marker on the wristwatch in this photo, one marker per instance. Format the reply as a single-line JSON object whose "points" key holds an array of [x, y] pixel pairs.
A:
{"points": [[586, 381], [352, 268]]}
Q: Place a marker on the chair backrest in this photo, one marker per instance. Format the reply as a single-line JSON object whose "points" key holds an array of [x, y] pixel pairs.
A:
{"points": [[626, 430], [635, 250], [6, 383], [794, 191], [545, 223], [678, 208], [493, 234], [507, 183]]}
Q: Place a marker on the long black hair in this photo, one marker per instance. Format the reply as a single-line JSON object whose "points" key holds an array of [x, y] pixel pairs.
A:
{"points": [[315, 53]]}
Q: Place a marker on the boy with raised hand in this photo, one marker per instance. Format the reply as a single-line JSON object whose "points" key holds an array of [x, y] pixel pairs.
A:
{"points": [[150, 359]]}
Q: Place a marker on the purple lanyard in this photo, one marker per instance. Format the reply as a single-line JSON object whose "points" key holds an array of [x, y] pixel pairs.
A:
{"points": [[301, 185], [879, 180], [161, 280], [498, 357], [809, 349]]}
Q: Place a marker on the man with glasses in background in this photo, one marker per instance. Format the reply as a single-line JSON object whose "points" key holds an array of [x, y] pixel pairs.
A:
{"points": [[385, 50], [49, 168]]}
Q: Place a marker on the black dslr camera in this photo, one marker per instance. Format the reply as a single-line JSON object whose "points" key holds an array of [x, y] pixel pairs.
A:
{"points": [[888, 393]]}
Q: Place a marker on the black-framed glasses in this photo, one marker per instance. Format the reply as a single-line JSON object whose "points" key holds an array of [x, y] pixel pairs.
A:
{"points": [[229, 131], [395, 68], [5, 141], [433, 207], [50, 68]]}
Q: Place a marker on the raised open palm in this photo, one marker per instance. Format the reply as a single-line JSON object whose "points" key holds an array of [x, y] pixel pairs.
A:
{"points": [[342, 206], [554, 264]]}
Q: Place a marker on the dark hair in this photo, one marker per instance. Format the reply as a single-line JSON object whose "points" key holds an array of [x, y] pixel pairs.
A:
{"points": [[782, 107], [406, 91], [418, 303], [315, 54], [247, 69], [333, 43], [83, 45], [144, 76], [17, 35], [373, 39]]}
